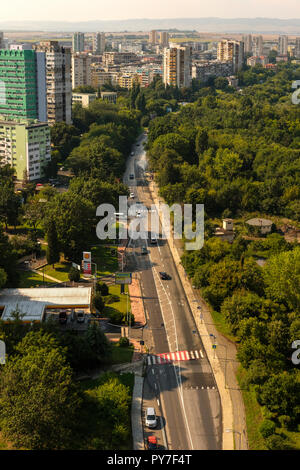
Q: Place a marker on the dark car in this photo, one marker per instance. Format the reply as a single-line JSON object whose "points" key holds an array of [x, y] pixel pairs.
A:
{"points": [[152, 443], [63, 317], [164, 276], [144, 250], [131, 177]]}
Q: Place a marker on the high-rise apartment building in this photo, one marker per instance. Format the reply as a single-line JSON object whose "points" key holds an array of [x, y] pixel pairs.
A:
{"points": [[58, 81], [283, 42], [258, 46], [231, 51], [297, 48], [164, 39], [177, 65], [78, 42], [81, 70], [153, 37], [25, 146], [99, 43], [23, 84], [247, 40]]}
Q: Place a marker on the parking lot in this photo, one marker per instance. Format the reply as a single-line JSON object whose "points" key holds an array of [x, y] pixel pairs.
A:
{"points": [[70, 319]]}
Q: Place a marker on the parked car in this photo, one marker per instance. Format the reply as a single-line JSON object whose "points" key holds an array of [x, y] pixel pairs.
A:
{"points": [[151, 443], [153, 240], [63, 317], [132, 196], [151, 419], [80, 316], [164, 276], [144, 250], [131, 176]]}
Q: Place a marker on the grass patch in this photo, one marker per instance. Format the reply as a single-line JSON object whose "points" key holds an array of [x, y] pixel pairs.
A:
{"points": [[106, 260], [254, 415], [60, 271], [121, 355], [221, 325], [117, 310], [29, 279]]}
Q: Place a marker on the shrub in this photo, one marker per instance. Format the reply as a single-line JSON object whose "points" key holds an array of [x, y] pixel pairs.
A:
{"points": [[124, 342], [74, 275], [98, 302], [267, 428], [102, 288]]}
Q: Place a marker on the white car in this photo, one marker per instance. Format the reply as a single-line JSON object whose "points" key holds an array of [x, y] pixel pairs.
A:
{"points": [[132, 196], [138, 213], [151, 420]]}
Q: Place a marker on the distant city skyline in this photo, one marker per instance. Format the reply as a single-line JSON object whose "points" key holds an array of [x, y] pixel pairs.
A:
{"points": [[75, 10]]}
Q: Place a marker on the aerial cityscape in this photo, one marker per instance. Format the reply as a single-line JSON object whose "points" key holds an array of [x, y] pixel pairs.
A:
{"points": [[150, 229]]}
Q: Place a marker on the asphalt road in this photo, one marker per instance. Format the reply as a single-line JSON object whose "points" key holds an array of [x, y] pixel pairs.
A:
{"points": [[184, 392]]}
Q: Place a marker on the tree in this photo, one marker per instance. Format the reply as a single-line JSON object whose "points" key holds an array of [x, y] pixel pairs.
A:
{"points": [[267, 428], [102, 288], [282, 278], [98, 302], [38, 399], [53, 254], [3, 278], [74, 275]]}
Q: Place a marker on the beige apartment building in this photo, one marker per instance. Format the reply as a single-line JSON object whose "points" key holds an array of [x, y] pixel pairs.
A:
{"points": [[99, 43], [177, 66], [58, 81], [81, 70], [231, 51]]}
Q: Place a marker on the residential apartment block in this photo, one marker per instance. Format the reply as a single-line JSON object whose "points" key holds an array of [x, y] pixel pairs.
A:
{"points": [[25, 146], [177, 65], [231, 51], [78, 42], [283, 42], [81, 70], [99, 43], [117, 58], [85, 99], [203, 71], [58, 81], [23, 84], [2, 44]]}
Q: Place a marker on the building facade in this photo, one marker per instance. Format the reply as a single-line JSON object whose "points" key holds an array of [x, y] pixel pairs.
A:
{"points": [[231, 51], [247, 40], [99, 43], [25, 146], [177, 66], [203, 71], [2, 44], [58, 81], [23, 84], [84, 99], [283, 42], [78, 42], [153, 37], [81, 70], [164, 39]]}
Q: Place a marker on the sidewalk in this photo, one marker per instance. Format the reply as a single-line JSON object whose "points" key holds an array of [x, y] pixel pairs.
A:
{"points": [[225, 395]]}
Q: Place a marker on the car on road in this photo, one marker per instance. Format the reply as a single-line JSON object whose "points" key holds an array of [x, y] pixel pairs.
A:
{"points": [[153, 240], [151, 443], [164, 276], [151, 419], [131, 176], [80, 316], [138, 214], [144, 250], [132, 196], [132, 153]]}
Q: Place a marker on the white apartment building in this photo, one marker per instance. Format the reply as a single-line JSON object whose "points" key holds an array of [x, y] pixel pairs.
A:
{"points": [[283, 42], [99, 43], [58, 81], [84, 99], [81, 70], [78, 42]]}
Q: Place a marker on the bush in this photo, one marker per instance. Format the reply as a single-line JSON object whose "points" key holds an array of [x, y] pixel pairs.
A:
{"points": [[74, 275], [98, 302], [276, 442], [267, 428], [124, 342], [102, 288]]}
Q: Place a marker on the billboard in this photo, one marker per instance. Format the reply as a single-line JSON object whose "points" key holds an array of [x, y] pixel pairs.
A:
{"points": [[123, 278]]}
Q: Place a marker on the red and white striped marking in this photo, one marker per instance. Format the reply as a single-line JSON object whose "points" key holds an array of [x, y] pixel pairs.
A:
{"points": [[168, 358]]}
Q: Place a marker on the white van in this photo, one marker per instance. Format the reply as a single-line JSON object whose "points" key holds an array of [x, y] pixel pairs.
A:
{"points": [[151, 419]]}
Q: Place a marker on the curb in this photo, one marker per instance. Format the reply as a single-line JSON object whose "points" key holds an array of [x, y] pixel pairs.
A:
{"points": [[226, 403]]}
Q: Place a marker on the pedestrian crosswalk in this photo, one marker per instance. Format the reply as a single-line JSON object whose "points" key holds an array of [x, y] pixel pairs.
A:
{"points": [[167, 358]]}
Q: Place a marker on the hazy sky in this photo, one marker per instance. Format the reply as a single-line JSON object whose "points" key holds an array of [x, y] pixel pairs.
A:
{"points": [[74, 10]]}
